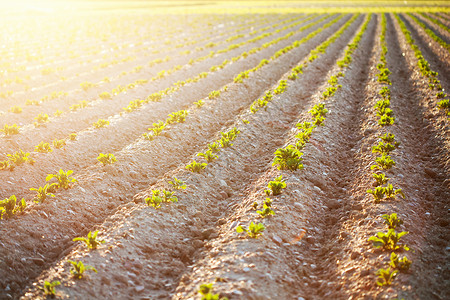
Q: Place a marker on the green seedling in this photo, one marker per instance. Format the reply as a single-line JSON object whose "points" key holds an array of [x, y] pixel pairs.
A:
{"points": [[386, 120], [392, 221], [401, 264], [16, 109], [318, 110], [214, 147], [177, 117], [382, 104], [10, 207], [385, 92], [385, 276], [64, 179], [266, 211], [318, 121], [206, 290], [276, 186], [155, 200], [106, 159], [199, 103], [91, 241], [44, 192], [58, 144], [383, 148], [390, 138], [281, 87], [214, 94], [231, 134], [380, 178], [105, 96], [41, 119], [225, 142], [254, 230], [289, 158], [158, 128], [209, 156], [19, 157], [73, 136], [43, 148], [444, 104], [389, 240], [49, 288], [178, 184], [169, 196], [196, 167], [100, 123], [78, 269], [10, 130], [391, 193], [377, 193], [384, 162]]}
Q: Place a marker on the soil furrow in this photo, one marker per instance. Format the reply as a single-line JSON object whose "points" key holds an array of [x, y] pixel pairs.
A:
{"points": [[98, 194]]}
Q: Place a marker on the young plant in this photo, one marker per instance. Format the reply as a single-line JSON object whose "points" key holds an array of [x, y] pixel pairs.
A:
{"points": [[19, 158], [389, 192], [178, 184], [383, 148], [43, 148], [196, 167], [105, 96], [72, 136], [10, 207], [254, 230], [169, 196], [91, 241], [206, 290], [392, 221], [377, 193], [78, 269], [390, 138], [386, 120], [41, 119], [100, 123], [380, 179], [385, 276], [58, 144], [401, 264], [155, 200], [389, 240], [209, 156], [276, 186], [64, 179], [288, 158], [318, 110], [44, 192], [225, 142], [16, 109], [199, 103], [214, 147], [106, 159], [10, 130], [384, 162], [267, 209], [49, 288]]}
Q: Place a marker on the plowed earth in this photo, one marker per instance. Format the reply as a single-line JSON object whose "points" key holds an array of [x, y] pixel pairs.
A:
{"points": [[314, 247]]}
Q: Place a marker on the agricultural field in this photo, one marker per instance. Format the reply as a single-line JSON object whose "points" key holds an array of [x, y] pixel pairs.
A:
{"points": [[225, 150]]}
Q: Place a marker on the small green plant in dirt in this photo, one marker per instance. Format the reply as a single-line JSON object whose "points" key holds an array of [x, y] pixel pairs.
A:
{"points": [[383, 148], [199, 103], [196, 167], [73, 136], [49, 288], [225, 142], [254, 230], [384, 162], [78, 269], [276, 186], [383, 76], [43, 148], [318, 110], [289, 158], [169, 196], [390, 138], [390, 192], [10, 130], [91, 240], [377, 193], [385, 92], [392, 221], [4, 164], [20, 157], [380, 179], [105, 96], [158, 128], [444, 104], [214, 94], [385, 276], [63, 177], [231, 134], [155, 200], [382, 104], [178, 184], [100, 123], [106, 159], [267, 209], [386, 120], [281, 87], [41, 119], [58, 144], [401, 264], [44, 192], [206, 290], [388, 240], [9, 207], [16, 109], [209, 156], [177, 117], [214, 147]]}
